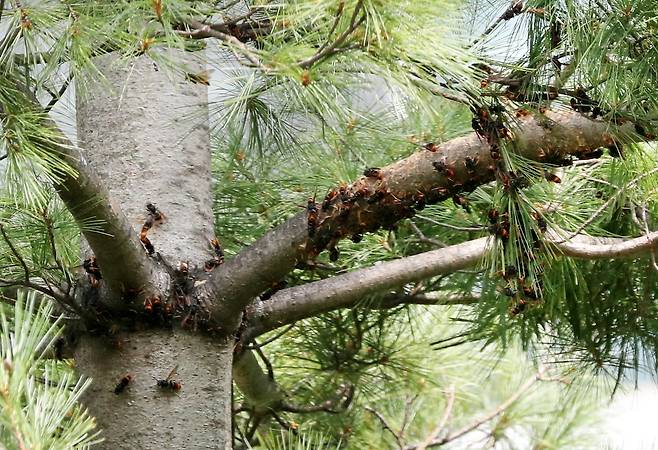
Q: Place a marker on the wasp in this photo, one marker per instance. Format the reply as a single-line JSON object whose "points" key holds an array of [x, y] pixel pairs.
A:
{"points": [[183, 268], [443, 168], [508, 273], [333, 254], [305, 78], [515, 9], [274, 288], [378, 195], [471, 163], [326, 203], [581, 102], [154, 216], [218, 259], [168, 383], [168, 310], [519, 308], [419, 201], [148, 246], [541, 222], [477, 126], [155, 212], [509, 291], [312, 216], [462, 201], [501, 230], [93, 271], [552, 177], [530, 293], [356, 238], [344, 193], [431, 146], [123, 383], [151, 302], [493, 216], [591, 154], [373, 172]]}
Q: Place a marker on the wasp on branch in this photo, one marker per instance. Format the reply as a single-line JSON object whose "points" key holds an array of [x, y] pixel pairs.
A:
{"points": [[217, 259], [312, 216], [93, 271], [154, 217]]}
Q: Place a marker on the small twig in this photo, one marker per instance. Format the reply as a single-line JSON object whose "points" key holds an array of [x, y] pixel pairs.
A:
{"points": [[256, 419], [385, 424], [344, 396], [322, 52], [53, 249], [643, 218], [339, 14], [407, 414], [55, 98], [247, 15], [446, 415], [255, 346], [603, 207], [513, 10], [4, 156], [422, 238], [437, 89], [284, 424], [204, 30], [268, 364], [539, 376], [447, 225], [15, 252]]}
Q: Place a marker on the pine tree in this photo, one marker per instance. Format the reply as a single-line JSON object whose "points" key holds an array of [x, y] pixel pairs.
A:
{"points": [[370, 179]]}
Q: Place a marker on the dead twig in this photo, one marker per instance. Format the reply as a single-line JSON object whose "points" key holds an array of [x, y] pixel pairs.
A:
{"points": [[385, 424], [450, 395], [328, 49]]}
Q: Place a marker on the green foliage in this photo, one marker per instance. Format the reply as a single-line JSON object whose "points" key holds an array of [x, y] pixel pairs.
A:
{"points": [[38, 396], [395, 375], [288, 441], [297, 122]]}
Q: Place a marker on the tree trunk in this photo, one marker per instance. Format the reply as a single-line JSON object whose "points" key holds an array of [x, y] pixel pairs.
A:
{"points": [[145, 132]]}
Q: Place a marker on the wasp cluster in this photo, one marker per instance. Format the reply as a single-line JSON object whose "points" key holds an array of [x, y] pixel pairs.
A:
{"points": [[521, 287]]}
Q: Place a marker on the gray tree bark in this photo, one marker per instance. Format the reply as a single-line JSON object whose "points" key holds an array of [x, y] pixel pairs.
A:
{"points": [[132, 130]]}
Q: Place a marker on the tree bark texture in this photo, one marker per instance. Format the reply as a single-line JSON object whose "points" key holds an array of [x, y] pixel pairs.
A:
{"points": [[132, 130]]}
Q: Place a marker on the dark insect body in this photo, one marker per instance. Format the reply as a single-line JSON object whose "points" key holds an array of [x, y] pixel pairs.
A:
{"points": [[93, 271], [311, 216], [373, 172], [123, 383], [168, 383]]}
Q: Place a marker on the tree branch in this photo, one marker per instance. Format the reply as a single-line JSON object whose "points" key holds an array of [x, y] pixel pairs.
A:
{"points": [[290, 305], [260, 391], [120, 255], [551, 136], [201, 30], [589, 247], [346, 290]]}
